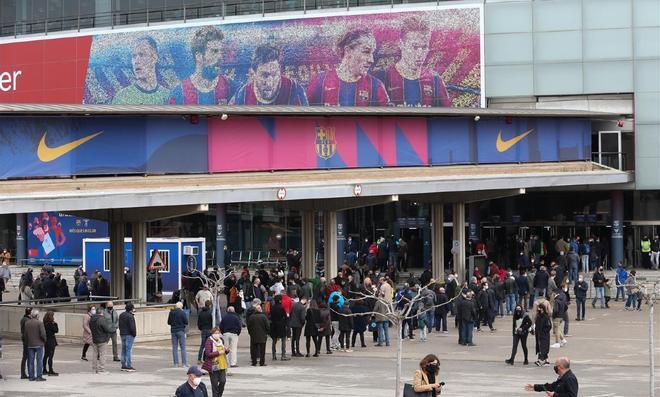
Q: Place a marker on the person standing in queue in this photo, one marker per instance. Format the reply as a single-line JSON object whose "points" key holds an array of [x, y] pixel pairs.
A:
{"points": [[566, 384], [521, 325], [51, 342], [542, 328], [427, 377]]}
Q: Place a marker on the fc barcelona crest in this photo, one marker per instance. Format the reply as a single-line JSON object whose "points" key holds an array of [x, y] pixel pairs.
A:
{"points": [[428, 90], [326, 145]]}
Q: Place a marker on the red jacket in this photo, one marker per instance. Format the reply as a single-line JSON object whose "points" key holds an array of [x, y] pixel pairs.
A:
{"points": [[287, 303]]}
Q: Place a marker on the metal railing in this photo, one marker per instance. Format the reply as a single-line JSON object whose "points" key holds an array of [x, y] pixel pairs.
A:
{"points": [[183, 12], [616, 160]]}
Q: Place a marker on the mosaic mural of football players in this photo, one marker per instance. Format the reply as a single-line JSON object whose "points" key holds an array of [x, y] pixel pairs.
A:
{"points": [[206, 86], [350, 84], [145, 89], [408, 81], [268, 86]]}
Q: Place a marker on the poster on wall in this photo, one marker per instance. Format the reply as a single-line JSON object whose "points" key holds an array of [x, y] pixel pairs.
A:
{"points": [[415, 57], [57, 238]]}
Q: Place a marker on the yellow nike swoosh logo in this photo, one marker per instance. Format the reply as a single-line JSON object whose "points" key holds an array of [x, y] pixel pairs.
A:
{"points": [[47, 154], [503, 146]]}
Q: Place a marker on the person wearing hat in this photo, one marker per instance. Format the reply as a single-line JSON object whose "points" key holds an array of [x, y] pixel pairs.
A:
{"points": [[193, 387]]}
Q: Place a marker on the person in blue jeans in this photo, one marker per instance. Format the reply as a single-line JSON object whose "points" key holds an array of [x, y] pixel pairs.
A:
{"points": [[204, 324], [599, 284], [127, 332], [382, 323], [35, 339], [620, 281], [467, 315], [178, 321]]}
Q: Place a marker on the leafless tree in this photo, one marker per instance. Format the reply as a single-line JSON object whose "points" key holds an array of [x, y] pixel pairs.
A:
{"points": [[397, 311]]}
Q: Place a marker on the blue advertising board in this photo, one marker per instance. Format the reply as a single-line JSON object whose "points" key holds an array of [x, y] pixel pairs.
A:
{"points": [[57, 238]]}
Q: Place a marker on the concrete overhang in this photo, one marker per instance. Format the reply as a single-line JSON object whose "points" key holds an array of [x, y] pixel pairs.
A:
{"points": [[141, 214], [218, 110], [292, 187]]}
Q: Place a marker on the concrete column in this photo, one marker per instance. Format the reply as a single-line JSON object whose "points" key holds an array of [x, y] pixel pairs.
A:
{"points": [[139, 261], [617, 228], [21, 249], [308, 244], [473, 223], [117, 234], [458, 248], [437, 241], [330, 238], [341, 237], [220, 234]]}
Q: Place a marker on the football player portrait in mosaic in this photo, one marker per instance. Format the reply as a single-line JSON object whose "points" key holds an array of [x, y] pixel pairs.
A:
{"points": [[408, 58]]}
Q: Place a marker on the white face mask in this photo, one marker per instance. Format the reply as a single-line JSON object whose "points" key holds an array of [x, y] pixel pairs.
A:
{"points": [[93, 311], [580, 279], [197, 381], [216, 336]]}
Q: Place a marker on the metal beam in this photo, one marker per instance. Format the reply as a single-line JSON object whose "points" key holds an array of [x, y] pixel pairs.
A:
{"points": [[278, 110]]}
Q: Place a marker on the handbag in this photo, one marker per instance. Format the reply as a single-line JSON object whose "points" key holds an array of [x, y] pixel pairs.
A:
{"points": [[409, 391], [372, 324]]}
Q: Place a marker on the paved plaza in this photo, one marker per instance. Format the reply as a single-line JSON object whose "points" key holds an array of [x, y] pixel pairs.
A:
{"points": [[609, 353]]}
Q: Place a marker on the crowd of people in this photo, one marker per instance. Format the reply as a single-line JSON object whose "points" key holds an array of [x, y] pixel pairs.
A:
{"points": [[280, 305]]}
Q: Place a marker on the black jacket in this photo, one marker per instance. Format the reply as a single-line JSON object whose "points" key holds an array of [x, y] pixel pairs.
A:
{"points": [[524, 327], [51, 330], [205, 319], [541, 279], [441, 300], [277, 321], [345, 320], [258, 327], [312, 322], [185, 390], [466, 310], [580, 289], [565, 386], [598, 279], [127, 324]]}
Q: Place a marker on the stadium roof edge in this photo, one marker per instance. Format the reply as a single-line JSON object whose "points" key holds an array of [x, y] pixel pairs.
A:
{"points": [[217, 110]]}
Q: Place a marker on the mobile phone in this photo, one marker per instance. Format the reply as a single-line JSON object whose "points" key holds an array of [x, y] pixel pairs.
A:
{"points": [[442, 383]]}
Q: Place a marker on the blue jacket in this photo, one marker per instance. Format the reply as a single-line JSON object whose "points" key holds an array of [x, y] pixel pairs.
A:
{"points": [[523, 285], [621, 275], [177, 320], [230, 323], [341, 301]]}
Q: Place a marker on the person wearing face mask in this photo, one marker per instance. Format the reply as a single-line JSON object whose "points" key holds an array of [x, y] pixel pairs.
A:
{"points": [[127, 331], [580, 289], [112, 318], [599, 284], [426, 378], [215, 362], [566, 384], [87, 332], [194, 387], [542, 327], [521, 325]]}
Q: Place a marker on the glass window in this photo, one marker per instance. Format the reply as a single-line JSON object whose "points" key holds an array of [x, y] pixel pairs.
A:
{"points": [[7, 17]]}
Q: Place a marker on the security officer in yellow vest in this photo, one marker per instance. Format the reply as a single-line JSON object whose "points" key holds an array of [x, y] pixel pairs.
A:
{"points": [[646, 252]]}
